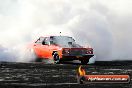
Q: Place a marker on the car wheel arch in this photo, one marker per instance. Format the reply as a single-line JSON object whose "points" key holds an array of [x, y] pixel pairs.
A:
{"points": [[54, 52]]}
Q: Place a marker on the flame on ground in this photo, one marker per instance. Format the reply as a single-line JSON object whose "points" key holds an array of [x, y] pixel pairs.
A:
{"points": [[81, 71]]}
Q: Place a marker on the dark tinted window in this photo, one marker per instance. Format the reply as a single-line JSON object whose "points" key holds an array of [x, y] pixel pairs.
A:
{"points": [[63, 41], [47, 40]]}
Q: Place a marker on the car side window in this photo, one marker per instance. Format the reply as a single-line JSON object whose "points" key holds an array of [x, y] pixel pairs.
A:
{"points": [[46, 41], [39, 41]]}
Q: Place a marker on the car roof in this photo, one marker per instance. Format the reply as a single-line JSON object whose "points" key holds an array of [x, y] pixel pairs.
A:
{"points": [[52, 35]]}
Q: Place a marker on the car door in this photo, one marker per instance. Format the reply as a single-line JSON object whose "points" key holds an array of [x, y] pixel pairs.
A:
{"points": [[45, 51], [37, 47]]}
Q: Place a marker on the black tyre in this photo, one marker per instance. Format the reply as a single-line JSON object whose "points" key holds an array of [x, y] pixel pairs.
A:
{"points": [[33, 57], [84, 62], [30, 55], [56, 58]]}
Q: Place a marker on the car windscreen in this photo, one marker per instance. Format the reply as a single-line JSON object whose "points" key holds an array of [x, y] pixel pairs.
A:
{"points": [[64, 41]]}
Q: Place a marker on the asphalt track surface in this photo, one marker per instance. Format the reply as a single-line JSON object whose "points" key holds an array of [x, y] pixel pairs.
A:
{"points": [[40, 75]]}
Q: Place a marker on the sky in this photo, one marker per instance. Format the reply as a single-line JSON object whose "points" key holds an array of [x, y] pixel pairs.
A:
{"points": [[105, 25]]}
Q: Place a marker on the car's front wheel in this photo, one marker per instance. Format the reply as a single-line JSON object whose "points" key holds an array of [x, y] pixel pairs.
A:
{"points": [[56, 58], [84, 62]]}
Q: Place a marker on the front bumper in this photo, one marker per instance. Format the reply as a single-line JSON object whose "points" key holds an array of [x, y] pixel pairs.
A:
{"points": [[76, 57]]}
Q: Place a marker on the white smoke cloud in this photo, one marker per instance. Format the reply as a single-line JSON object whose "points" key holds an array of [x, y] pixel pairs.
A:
{"points": [[105, 25]]}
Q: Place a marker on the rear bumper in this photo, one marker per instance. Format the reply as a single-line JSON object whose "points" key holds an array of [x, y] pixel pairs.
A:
{"points": [[76, 57]]}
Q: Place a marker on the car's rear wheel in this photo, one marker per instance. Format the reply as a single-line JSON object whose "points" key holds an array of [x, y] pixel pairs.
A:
{"points": [[84, 62], [33, 57], [56, 58]]}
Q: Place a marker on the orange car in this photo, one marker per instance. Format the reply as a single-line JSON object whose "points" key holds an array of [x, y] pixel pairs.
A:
{"points": [[60, 48]]}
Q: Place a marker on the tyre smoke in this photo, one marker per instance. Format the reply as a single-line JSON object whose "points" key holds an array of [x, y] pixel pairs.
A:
{"points": [[105, 25]]}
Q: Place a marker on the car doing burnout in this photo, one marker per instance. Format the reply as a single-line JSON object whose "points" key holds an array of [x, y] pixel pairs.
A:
{"points": [[60, 48]]}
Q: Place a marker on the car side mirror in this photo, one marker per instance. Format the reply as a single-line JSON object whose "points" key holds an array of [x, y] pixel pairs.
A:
{"points": [[43, 43]]}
